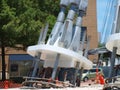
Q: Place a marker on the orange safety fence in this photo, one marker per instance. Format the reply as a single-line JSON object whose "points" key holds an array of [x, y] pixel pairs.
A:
{"points": [[8, 84]]}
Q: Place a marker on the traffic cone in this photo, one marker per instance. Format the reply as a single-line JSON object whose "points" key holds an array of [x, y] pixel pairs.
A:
{"points": [[57, 81], [97, 79], [6, 84], [50, 79], [97, 76]]}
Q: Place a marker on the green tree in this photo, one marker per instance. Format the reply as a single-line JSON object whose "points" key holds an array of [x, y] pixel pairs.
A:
{"points": [[7, 14], [31, 15], [21, 21]]}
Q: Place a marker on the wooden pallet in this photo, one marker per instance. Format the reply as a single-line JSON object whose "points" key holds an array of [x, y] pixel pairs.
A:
{"points": [[44, 83]]}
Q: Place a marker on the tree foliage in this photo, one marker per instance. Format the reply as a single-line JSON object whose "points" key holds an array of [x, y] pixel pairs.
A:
{"points": [[22, 20], [7, 14]]}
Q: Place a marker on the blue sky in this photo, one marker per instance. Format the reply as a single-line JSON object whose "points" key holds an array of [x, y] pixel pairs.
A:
{"points": [[105, 18], [101, 8]]}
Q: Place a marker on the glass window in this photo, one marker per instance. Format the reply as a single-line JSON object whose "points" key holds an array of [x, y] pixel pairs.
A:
{"points": [[93, 70], [85, 71], [14, 68]]}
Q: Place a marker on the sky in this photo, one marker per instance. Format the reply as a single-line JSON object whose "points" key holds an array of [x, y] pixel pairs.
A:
{"points": [[101, 8], [105, 18]]}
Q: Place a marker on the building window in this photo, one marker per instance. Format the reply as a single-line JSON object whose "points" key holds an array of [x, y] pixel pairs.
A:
{"points": [[14, 68], [83, 30]]}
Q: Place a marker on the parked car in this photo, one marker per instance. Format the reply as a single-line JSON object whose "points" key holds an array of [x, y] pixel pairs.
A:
{"points": [[91, 74]]}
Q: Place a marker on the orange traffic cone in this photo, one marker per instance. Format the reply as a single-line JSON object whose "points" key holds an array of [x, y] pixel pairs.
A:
{"points": [[6, 84], [97, 76], [97, 79], [50, 79], [57, 81]]}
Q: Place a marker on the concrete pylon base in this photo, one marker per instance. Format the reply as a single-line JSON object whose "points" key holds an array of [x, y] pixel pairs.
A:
{"points": [[114, 41], [68, 58]]}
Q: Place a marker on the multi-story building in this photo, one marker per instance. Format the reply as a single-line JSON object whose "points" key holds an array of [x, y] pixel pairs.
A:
{"points": [[90, 21]]}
